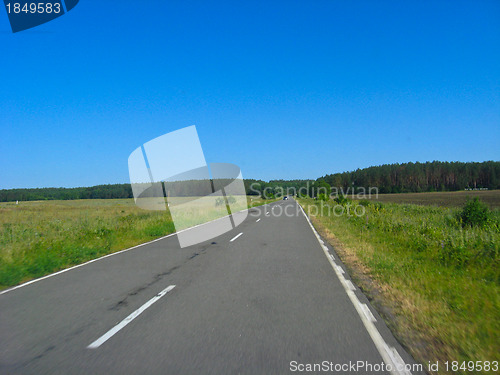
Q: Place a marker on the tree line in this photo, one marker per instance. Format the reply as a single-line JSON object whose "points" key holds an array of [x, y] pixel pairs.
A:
{"points": [[94, 192], [420, 177], [388, 178]]}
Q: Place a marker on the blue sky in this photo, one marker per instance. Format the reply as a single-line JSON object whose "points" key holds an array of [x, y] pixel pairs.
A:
{"points": [[284, 89]]}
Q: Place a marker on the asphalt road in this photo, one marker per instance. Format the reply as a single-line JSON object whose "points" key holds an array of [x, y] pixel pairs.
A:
{"points": [[270, 301]]}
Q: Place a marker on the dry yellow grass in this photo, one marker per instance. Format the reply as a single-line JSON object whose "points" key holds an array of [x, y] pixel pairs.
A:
{"points": [[444, 199]]}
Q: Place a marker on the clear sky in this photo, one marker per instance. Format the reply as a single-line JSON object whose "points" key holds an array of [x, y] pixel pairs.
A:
{"points": [[284, 89]]}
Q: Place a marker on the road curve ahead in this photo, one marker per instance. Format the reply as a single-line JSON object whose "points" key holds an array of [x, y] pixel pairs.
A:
{"points": [[265, 298]]}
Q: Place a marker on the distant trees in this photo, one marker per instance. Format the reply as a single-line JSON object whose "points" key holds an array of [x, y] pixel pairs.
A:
{"points": [[420, 177], [276, 188], [388, 178], [93, 192]]}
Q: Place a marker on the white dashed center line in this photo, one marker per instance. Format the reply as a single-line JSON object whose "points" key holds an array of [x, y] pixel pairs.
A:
{"points": [[235, 237], [101, 340]]}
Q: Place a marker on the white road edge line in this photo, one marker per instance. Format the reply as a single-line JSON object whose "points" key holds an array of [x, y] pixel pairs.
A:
{"points": [[389, 354], [350, 285], [367, 312], [235, 237], [115, 253], [101, 340]]}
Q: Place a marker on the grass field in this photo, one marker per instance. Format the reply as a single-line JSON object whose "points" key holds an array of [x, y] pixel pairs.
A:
{"points": [[436, 284], [40, 237], [443, 199]]}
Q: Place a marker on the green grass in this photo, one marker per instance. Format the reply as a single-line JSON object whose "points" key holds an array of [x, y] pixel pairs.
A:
{"points": [[40, 237], [37, 238], [440, 280]]}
